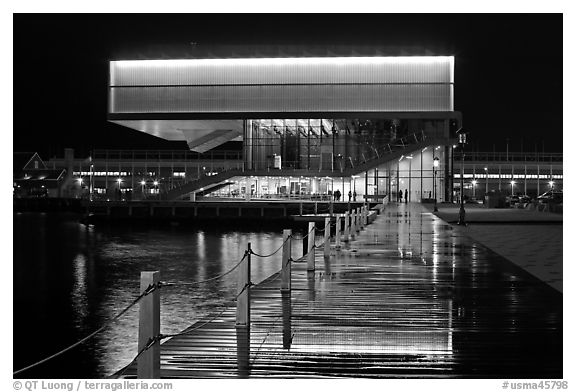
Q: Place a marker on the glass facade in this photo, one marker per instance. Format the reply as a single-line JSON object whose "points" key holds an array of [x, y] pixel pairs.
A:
{"points": [[329, 144]]}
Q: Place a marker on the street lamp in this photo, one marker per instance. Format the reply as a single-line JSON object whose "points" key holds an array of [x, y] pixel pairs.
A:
{"points": [[512, 183], [143, 184], [119, 194], [436, 164], [486, 170], [91, 180], [474, 182], [461, 142]]}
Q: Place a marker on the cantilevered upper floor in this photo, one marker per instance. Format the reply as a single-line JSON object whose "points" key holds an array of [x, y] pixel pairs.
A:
{"points": [[207, 101]]}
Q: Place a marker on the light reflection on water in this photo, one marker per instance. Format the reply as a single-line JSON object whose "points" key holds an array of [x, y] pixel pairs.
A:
{"points": [[82, 276]]}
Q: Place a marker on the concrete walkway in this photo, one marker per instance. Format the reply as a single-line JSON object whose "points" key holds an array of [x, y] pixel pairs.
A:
{"points": [[532, 240], [410, 297]]}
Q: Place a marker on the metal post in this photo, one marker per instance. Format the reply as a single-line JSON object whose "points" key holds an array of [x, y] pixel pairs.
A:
{"points": [[311, 242], [286, 272], [361, 219], [243, 292], [338, 244], [149, 327], [326, 237], [357, 220], [346, 226]]}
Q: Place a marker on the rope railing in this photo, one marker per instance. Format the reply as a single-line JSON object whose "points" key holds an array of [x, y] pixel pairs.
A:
{"points": [[278, 274], [273, 253], [195, 328], [196, 283], [107, 324]]}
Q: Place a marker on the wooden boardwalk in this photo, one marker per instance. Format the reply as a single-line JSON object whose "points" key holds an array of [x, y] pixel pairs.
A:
{"points": [[410, 297]]}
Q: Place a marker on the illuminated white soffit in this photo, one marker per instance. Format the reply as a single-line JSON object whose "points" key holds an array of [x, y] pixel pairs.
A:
{"points": [[175, 129], [209, 140]]}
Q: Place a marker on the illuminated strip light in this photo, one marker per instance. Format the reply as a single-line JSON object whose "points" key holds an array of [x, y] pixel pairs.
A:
{"points": [[410, 69], [288, 61]]}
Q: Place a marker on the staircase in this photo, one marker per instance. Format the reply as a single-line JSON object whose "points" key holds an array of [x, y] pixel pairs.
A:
{"points": [[203, 183]]}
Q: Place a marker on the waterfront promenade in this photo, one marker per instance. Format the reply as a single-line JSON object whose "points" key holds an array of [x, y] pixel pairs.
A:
{"points": [[530, 239], [409, 297]]}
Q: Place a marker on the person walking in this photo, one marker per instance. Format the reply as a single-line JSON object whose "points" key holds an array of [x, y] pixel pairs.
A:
{"points": [[349, 195], [354, 196], [405, 195], [400, 196]]}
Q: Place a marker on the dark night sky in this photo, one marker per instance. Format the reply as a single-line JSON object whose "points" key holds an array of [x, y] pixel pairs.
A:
{"points": [[508, 67]]}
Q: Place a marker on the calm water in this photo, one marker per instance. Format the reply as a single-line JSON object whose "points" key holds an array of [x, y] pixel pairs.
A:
{"points": [[69, 279]]}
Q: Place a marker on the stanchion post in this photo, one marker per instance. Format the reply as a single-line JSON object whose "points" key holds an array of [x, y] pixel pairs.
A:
{"points": [[357, 220], [243, 292], [149, 327], [311, 242], [286, 272], [327, 237], [346, 226], [361, 218], [338, 218]]}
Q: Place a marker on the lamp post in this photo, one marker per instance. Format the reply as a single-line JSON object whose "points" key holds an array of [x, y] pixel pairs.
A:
{"points": [[474, 182], [91, 181], [119, 189], [486, 171], [436, 164], [512, 183], [462, 142]]}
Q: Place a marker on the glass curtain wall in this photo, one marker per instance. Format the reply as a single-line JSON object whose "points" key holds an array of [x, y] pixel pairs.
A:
{"points": [[316, 144], [327, 144]]}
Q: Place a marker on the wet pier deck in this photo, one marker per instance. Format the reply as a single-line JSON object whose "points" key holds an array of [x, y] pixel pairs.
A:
{"points": [[410, 297]]}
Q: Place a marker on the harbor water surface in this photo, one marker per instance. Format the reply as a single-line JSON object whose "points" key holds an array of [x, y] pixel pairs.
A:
{"points": [[70, 279]]}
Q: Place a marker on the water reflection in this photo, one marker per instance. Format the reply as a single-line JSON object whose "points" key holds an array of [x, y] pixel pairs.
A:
{"points": [[286, 320], [79, 292], [79, 277]]}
